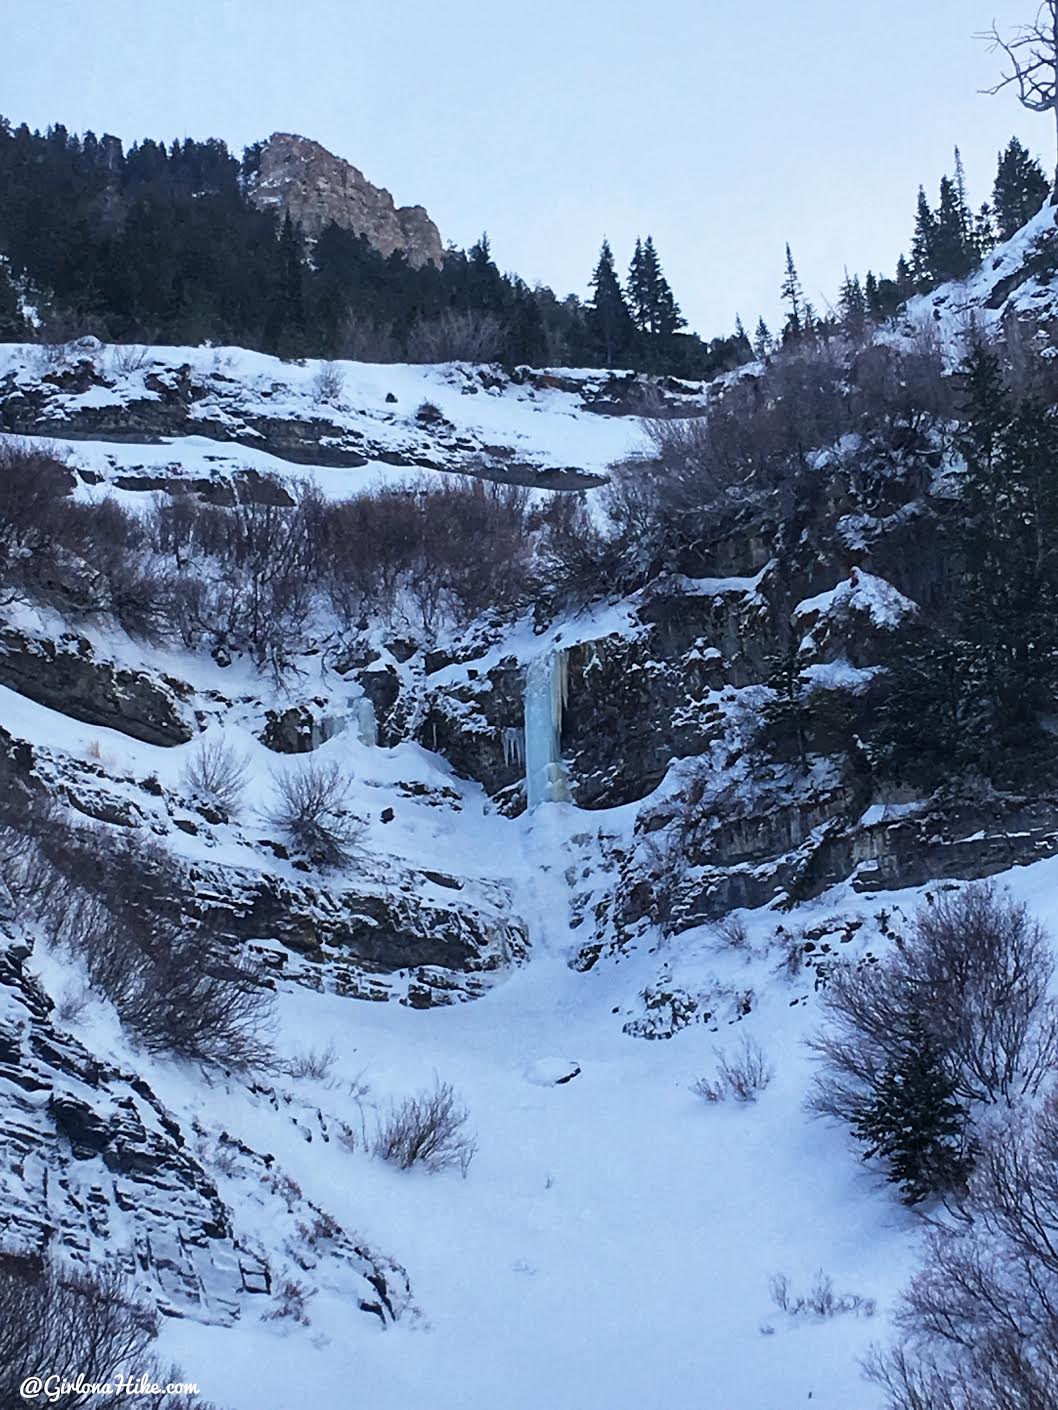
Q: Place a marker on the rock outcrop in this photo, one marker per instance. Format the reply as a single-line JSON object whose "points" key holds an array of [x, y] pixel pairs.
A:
{"points": [[299, 178], [94, 1167]]}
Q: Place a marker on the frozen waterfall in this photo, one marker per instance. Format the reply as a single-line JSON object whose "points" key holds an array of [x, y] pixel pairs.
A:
{"points": [[546, 687], [363, 712]]}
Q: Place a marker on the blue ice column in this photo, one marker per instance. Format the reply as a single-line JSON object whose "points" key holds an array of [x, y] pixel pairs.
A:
{"points": [[546, 687]]}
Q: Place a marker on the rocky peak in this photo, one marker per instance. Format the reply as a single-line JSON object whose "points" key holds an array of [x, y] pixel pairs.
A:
{"points": [[299, 177]]}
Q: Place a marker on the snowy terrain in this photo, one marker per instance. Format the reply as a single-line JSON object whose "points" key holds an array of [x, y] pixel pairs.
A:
{"points": [[614, 1239]]}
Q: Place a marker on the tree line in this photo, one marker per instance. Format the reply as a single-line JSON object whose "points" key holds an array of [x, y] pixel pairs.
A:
{"points": [[163, 244]]}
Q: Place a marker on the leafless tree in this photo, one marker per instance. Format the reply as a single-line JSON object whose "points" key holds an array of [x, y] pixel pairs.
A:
{"points": [[975, 974], [980, 1320], [64, 1322], [1032, 54], [452, 336], [217, 774], [310, 809]]}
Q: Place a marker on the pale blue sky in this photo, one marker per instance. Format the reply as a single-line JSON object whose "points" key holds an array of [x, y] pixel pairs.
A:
{"points": [[722, 127]]}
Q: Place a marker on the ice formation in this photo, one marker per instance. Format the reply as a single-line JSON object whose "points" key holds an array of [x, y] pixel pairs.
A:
{"points": [[366, 720], [546, 691], [514, 745]]}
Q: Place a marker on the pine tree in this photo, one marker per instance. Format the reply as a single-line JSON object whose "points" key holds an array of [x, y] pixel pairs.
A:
{"points": [[852, 303], [962, 201], [12, 324], [653, 307], [762, 340], [984, 235], [1009, 603], [642, 286], [952, 254], [923, 244], [792, 293], [285, 327], [915, 1122], [609, 325], [1020, 189]]}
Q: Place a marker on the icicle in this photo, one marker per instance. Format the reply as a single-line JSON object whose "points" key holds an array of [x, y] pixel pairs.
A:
{"points": [[324, 727], [366, 720], [514, 746], [546, 694]]}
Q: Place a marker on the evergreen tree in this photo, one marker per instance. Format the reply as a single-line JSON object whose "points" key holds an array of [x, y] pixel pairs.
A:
{"points": [[1020, 189], [852, 303], [923, 244], [285, 332], [642, 287], [962, 202], [915, 1122], [792, 294], [526, 342], [762, 340], [905, 280], [653, 307], [608, 323], [1010, 499], [952, 255], [984, 234], [12, 324], [883, 297], [971, 691]]}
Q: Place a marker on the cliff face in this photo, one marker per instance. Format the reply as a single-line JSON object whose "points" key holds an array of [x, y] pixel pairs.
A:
{"points": [[300, 177]]}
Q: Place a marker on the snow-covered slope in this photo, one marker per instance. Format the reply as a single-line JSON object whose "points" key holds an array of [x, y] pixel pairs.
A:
{"points": [[1015, 282], [142, 418], [613, 1241]]}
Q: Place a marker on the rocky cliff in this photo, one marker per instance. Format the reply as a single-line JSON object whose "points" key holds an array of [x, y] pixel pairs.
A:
{"points": [[299, 178]]}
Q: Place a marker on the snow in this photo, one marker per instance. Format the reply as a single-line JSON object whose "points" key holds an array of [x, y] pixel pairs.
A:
{"points": [[546, 426], [888, 812], [947, 314], [614, 1238], [861, 591]]}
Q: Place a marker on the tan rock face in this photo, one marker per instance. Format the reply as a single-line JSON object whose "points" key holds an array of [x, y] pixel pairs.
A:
{"points": [[301, 177]]}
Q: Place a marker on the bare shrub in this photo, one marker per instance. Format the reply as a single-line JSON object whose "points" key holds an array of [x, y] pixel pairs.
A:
{"points": [[742, 1075], [577, 559], [978, 1323], [820, 1301], [710, 1089], [217, 773], [429, 1129], [732, 933], [312, 1064], [328, 384], [454, 336], [364, 340], [71, 1004], [973, 975], [126, 358], [170, 986], [117, 908], [310, 810], [65, 1322], [290, 1303]]}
